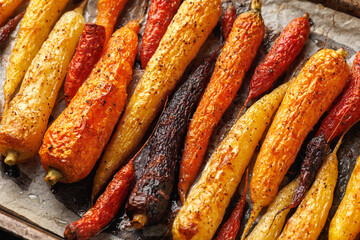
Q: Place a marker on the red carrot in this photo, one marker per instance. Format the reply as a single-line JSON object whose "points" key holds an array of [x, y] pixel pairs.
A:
{"points": [[233, 62], [228, 21], [161, 13], [284, 51], [9, 27], [231, 227], [88, 52], [347, 111], [106, 206]]}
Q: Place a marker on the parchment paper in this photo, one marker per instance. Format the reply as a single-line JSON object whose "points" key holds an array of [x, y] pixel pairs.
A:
{"points": [[26, 193]]}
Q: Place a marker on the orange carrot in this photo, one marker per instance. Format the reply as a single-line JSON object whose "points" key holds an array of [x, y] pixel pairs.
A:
{"points": [[318, 84], [234, 61], [74, 141], [108, 12], [90, 48]]}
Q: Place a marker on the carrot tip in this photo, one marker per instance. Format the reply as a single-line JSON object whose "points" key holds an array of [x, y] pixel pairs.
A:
{"points": [[53, 176], [254, 214], [70, 232], [11, 158], [139, 221], [342, 52], [81, 7]]}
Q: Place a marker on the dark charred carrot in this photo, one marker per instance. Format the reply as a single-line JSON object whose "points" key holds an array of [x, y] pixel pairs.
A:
{"points": [[228, 21], [88, 52], [150, 197], [316, 151], [234, 61], [347, 110], [284, 51], [188, 30], [160, 14], [231, 227], [9, 27], [105, 207]]}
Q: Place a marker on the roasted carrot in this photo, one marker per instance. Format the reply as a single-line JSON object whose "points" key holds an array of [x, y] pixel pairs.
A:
{"points": [[204, 208], [9, 27], [160, 14], [283, 52], [235, 59], [315, 153], [24, 122], [343, 115], [272, 222], [346, 221], [310, 217], [318, 84], [186, 33], [231, 227], [347, 110], [88, 52], [107, 14], [105, 208], [228, 20], [91, 44], [39, 18], [150, 197], [74, 141], [7, 7]]}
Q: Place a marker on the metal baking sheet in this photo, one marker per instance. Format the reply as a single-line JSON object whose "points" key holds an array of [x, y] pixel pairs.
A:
{"points": [[23, 191]]}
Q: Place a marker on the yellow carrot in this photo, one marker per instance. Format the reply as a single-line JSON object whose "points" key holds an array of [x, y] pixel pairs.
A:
{"points": [[205, 206], [272, 222], [234, 61], [346, 221], [39, 18], [310, 217], [24, 122]]}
